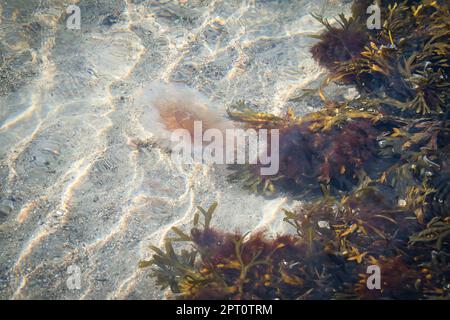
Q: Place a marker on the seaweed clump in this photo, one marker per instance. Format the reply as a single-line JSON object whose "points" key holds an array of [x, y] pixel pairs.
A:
{"points": [[241, 266], [328, 148], [396, 131], [403, 66], [326, 258], [340, 43], [228, 265]]}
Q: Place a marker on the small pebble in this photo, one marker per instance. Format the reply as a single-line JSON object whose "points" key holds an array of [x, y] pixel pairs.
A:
{"points": [[402, 203], [110, 20], [323, 224]]}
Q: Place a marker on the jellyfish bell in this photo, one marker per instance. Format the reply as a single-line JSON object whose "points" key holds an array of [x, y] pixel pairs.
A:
{"points": [[169, 107], [195, 131], [181, 119]]}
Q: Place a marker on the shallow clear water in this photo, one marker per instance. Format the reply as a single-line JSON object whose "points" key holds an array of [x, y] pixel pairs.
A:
{"points": [[74, 189]]}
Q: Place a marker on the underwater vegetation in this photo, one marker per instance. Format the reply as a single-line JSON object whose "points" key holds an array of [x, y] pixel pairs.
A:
{"points": [[404, 65], [339, 44], [398, 126], [328, 148], [326, 258], [373, 174]]}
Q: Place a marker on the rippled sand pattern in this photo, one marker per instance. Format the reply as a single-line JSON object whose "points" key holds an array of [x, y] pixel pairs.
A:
{"points": [[75, 189]]}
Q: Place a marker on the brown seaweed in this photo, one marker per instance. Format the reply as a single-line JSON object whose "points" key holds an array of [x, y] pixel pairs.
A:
{"points": [[332, 147], [335, 241]]}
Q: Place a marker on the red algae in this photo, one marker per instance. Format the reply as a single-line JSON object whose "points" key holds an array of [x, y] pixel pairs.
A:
{"points": [[339, 44]]}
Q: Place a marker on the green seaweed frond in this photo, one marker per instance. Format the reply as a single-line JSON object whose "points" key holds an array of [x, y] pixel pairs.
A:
{"points": [[342, 21], [437, 230], [170, 268], [207, 215]]}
